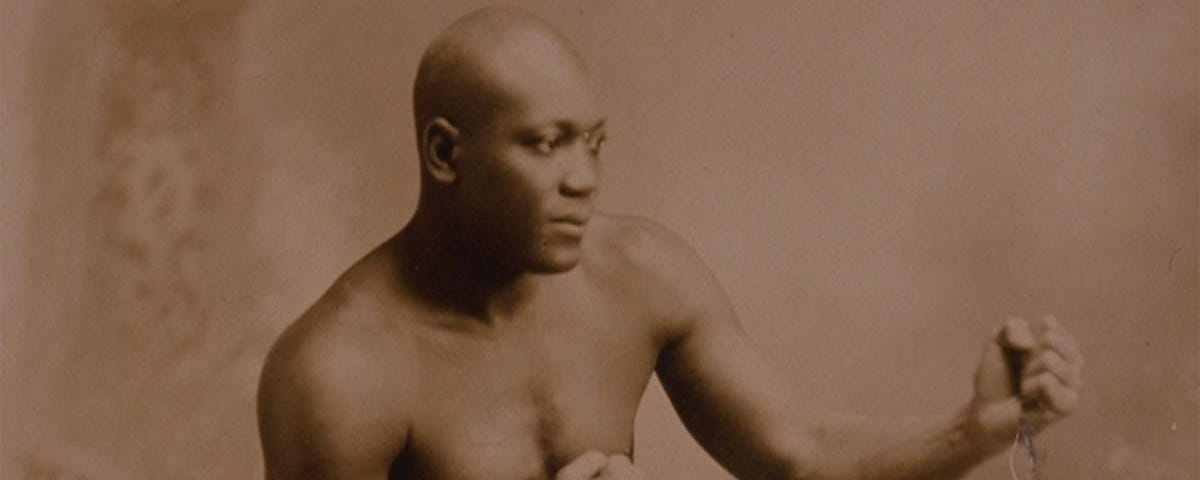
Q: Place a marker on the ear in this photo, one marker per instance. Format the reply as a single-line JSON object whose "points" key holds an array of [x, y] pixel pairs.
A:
{"points": [[441, 139]]}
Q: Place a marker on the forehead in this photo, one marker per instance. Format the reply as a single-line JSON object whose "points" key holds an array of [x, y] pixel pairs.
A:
{"points": [[541, 82]]}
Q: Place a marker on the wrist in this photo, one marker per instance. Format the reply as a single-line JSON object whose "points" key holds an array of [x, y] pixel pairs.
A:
{"points": [[978, 432]]}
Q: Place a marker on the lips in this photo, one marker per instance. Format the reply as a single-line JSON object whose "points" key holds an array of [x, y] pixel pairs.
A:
{"points": [[579, 220], [573, 218], [571, 225]]}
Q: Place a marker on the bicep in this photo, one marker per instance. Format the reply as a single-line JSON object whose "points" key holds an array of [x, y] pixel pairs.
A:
{"points": [[730, 398], [733, 400]]}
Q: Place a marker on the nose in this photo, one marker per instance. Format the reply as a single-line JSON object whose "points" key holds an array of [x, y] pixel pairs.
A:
{"points": [[582, 175]]}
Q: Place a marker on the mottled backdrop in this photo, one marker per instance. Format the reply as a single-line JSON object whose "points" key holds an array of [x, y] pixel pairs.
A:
{"points": [[876, 183]]}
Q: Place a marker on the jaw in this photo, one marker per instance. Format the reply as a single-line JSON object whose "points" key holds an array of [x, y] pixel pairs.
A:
{"points": [[555, 255], [559, 261]]}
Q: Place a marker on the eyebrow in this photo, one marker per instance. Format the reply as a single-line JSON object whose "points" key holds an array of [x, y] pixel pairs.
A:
{"points": [[567, 125]]}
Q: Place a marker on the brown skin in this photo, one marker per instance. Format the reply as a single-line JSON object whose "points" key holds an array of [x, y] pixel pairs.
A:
{"points": [[509, 333], [453, 396]]}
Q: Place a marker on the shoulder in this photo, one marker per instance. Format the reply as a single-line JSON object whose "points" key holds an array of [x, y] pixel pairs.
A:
{"points": [[646, 246], [648, 257], [320, 350], [341, 350], [352, 328], [332, 389]]}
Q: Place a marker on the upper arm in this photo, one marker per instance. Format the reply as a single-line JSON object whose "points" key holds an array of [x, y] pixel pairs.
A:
{"points": [[321, 415], [730, 398]]}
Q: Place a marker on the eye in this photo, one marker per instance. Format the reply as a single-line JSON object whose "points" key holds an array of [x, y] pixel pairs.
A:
{"points": [[546, 145], [595, 141]]}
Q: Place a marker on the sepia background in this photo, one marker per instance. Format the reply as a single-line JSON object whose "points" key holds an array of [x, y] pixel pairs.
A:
{"points": [[877, 184]]}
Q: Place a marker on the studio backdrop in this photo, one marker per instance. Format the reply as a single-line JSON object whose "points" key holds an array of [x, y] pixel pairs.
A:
{"points": [[877, 185]]}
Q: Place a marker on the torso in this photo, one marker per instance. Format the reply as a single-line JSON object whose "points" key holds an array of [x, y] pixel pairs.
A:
{"points": [[520, 398]]}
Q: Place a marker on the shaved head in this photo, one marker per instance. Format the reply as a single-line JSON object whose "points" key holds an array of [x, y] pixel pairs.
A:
{"points": [[483, 62], [509, 130]]}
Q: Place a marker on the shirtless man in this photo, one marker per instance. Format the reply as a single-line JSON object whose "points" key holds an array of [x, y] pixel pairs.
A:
{"points": [[508, 331]]}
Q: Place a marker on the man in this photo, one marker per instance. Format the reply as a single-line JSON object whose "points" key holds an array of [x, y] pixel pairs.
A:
{"points": [[508, 331]]}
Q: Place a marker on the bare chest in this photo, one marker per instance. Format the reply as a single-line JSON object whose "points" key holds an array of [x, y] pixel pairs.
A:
{"points": [[522, 406]]}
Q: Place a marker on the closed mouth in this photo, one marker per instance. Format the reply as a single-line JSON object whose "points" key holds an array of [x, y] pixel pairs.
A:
{"points": [[571, 226], [579, 220]]}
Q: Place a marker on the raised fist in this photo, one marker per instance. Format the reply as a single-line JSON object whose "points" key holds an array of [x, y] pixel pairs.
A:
{"points": [[1030, 369]]}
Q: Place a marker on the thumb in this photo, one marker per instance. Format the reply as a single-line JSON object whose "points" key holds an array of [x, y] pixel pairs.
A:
{"points": [[994, 377]]}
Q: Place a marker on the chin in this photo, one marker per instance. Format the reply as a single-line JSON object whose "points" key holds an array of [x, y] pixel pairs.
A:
{"points": [[557, 260]]}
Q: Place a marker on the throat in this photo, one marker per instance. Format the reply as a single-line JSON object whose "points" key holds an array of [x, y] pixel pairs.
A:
{"points": [[456, 279]]}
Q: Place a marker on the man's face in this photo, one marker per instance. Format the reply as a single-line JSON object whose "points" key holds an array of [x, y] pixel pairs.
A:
{"points": [[530, 174]]}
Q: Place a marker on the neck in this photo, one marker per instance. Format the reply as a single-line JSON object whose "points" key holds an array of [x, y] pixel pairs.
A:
{"points": [[452, 274]]}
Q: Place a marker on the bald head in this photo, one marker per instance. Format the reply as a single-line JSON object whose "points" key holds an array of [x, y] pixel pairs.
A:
{"points": [[486, 62], [509, 131]]}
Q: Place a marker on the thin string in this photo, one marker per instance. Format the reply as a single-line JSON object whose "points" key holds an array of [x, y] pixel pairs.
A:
{"points": [[1023, 438], [1012, 456]]}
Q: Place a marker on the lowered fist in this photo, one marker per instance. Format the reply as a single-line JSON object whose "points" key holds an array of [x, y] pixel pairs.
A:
{"points": [[595, 465]]}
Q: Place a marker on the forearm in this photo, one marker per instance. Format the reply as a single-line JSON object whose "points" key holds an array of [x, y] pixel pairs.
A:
{"points": [[921, 447]]}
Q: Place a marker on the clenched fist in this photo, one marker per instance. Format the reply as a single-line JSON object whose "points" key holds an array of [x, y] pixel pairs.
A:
{"points": [[1031, 369], [596, 465]]}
